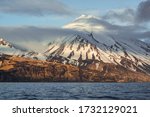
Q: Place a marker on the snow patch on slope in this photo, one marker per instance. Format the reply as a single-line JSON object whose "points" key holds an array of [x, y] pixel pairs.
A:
{"points": [[10, 49]]}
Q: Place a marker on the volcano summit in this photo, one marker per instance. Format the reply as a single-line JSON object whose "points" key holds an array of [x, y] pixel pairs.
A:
{"points": [[89, 52]]}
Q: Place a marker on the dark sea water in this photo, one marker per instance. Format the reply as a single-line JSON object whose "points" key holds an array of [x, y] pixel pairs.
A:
{"points": [[91, 91]]}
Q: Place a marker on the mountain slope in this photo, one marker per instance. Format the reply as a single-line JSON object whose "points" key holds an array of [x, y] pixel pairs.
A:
{"points": [[10, 49], [80, 55], [19, 69], [85, 48]]}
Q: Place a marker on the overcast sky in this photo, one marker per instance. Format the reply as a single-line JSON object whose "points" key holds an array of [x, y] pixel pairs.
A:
{"points": [[35, 19]]}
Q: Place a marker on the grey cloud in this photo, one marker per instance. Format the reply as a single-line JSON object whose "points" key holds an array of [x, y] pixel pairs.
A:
{"points": [[33, 33], [133, 31], [121, 15], [34, 7], [143, 11], [141, 14], [145, 36], [33, 37], [118, 28], [39, 34]]}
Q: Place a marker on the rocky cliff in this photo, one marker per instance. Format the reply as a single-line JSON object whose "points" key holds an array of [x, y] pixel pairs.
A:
{"points": [[14, 69]]}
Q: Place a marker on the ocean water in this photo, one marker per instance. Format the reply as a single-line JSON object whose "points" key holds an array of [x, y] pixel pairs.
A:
{"points": [[75, 91]]}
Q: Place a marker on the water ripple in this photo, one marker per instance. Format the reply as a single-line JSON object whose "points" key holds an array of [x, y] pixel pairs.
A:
{"points": [[91, 91]]}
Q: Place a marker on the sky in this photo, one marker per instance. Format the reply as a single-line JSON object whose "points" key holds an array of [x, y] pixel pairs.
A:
{"points": [[28, 21], [55, 13]]}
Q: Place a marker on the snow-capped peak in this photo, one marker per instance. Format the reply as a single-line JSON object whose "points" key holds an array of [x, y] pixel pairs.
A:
{"points": [[84, 16], [86, 23]]}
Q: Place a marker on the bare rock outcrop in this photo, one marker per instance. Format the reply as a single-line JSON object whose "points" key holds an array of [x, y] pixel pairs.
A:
{"points": [[19, 69]]}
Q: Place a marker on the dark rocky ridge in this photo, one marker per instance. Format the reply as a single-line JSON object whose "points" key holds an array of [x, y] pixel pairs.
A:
{"points": [[19, 69]]}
